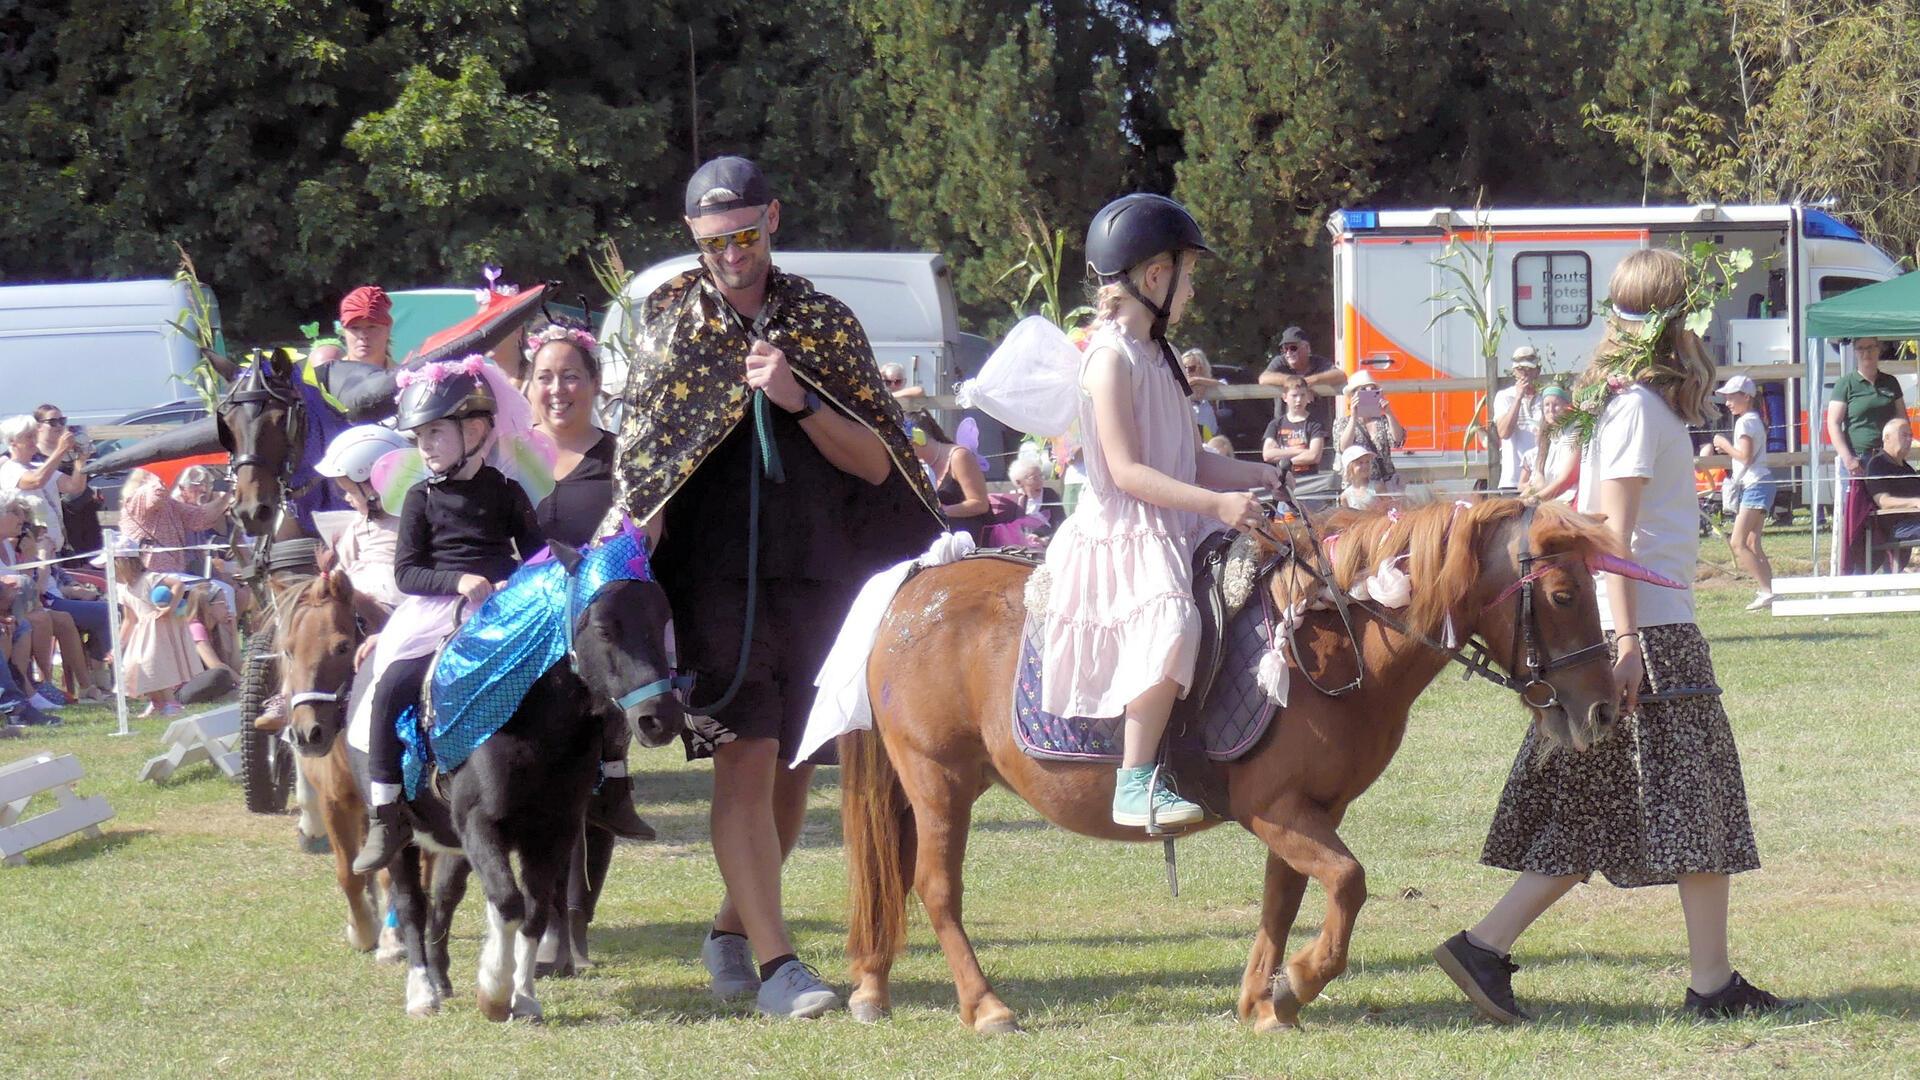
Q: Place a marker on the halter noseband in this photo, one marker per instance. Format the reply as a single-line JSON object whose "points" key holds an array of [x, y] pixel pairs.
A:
{"points": [[257, 387]]}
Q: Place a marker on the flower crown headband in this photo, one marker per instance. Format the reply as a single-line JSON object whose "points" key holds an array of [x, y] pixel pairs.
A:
{"points": [[441, 370], [580, 339]]}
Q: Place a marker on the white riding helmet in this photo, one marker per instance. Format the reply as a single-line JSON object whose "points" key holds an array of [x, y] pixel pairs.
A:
{"points": [[352, 452]]}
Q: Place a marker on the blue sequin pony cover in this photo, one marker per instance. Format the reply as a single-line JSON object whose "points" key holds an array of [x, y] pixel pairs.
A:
{"points": [[485, 670]]}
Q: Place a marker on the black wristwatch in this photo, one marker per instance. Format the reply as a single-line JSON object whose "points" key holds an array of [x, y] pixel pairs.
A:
{"points": [[808, 406]]}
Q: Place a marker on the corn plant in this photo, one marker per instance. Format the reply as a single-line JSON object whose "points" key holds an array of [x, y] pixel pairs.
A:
{"points": [[1042, 263], [196, 322], [1467, 268]]}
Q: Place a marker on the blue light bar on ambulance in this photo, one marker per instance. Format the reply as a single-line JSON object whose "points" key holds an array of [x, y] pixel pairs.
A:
{"points": [[1820, 224], [1355, 220]]}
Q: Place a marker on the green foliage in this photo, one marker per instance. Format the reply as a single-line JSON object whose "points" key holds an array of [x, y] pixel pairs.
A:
{"points": [[1467, 269], [1042, 265], [199, 323]]}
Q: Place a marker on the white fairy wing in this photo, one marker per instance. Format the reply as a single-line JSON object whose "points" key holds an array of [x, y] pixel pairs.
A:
{"points": [[1031, 383]]}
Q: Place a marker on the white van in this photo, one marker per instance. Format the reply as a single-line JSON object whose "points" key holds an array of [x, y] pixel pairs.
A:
{"points": [[99, 350], [1551, 266]]}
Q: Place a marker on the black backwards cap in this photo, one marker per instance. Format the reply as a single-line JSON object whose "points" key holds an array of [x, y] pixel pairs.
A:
{"points": [[726, 183]]}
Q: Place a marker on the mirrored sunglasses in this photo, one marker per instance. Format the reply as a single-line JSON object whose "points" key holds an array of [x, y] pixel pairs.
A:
{"points": [[741, 238]]}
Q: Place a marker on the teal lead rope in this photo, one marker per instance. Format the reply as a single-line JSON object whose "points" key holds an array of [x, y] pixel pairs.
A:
{"points": [[767, 461]]}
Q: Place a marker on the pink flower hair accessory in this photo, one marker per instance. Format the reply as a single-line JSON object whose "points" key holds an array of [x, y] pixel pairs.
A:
{"points": [[578, 338], [441, 370]]}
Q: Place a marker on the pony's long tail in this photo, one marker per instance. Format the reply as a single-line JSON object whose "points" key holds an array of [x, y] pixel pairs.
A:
{"points": [[877, 823]]}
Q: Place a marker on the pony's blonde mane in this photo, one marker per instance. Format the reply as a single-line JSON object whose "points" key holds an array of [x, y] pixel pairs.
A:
{"points": [[1442, 541]]}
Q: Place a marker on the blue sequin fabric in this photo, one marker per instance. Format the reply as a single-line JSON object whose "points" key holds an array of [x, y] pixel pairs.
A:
{"points": [[485, 670]]}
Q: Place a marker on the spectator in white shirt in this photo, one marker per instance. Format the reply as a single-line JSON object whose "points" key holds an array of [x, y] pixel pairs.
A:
{"points": [[1516, 419]]}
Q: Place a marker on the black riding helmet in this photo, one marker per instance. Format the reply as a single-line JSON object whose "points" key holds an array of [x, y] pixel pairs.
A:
{"points": [[454, 396], [1132, 229]]}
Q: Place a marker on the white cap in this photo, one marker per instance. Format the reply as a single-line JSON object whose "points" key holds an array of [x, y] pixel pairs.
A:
{"points": [[352, 452], [1526, 356], [1739, 384], [1352, 454]]}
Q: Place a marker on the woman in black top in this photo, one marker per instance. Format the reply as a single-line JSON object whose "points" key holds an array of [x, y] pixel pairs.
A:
{"points": [[958, 478], [563, 385]]}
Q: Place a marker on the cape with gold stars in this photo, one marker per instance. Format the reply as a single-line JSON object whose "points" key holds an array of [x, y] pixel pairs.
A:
{"points": [[686, 389]]}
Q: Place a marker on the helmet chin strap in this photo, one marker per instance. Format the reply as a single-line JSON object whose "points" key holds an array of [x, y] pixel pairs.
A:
{"points": [[466, 454], [1161, 312]]}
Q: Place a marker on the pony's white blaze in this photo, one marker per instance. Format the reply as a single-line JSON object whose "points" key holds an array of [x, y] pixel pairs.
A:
{"points": [[422, 998], [496, 964]]}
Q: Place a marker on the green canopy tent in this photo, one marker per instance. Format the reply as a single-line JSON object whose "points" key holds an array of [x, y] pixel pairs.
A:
{"points": [[1890, 309]]}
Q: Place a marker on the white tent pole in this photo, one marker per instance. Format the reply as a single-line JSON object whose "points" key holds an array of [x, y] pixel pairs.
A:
{"points": [[113, 636]]}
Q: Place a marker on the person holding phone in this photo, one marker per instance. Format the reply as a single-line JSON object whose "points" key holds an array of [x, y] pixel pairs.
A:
{"points": [[1370, 423]]}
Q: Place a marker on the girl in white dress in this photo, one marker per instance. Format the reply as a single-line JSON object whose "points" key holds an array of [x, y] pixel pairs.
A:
{"points": [[1121, 630]]}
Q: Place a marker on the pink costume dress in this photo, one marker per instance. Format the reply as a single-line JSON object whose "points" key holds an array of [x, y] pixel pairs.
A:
{"points": [[155, 518], [156, 652], [1121, 615]]}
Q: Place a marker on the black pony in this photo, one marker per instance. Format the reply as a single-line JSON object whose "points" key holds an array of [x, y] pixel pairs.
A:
{"points": [[521, 792]]}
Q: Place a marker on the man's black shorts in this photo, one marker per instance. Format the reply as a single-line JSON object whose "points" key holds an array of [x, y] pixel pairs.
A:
{"points": [[793, 630]]}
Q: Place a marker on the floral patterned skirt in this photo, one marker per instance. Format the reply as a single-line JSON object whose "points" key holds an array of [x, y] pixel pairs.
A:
{"points": [[1659, 797]]}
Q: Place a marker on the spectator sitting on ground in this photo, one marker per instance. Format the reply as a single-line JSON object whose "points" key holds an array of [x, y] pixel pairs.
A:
{"points": [[1370, 423], [1356, 473], [895, 378], [1893, 485], [36, 627]]}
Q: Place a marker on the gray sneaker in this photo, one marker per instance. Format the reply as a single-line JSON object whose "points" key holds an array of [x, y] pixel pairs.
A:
{"points": [[796, 991], [729, 960]]}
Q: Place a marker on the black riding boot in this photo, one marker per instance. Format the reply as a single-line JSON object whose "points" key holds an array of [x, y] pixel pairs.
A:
{"points": [[611, 808], [386, 835]]}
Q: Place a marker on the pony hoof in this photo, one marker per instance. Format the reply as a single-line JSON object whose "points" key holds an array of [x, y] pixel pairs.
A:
{"points": [[360, 942], [1286, 1008], [868, 1012], [498, 1010], [390, 950], [997, 1024], [525, 1008], [1268, 1025]]}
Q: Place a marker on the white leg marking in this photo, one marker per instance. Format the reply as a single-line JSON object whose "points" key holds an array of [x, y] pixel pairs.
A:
{"points": [[496, 963], [422, 998], [526, 952]]}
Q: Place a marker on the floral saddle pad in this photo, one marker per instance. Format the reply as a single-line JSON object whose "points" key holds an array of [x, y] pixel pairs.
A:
{"points": [[1233, 715]]}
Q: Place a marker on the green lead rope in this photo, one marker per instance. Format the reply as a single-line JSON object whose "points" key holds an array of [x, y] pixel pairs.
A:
{"points": [[766, 461]]}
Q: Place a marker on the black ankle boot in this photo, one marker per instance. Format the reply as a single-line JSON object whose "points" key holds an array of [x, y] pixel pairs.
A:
{"points": [[611, 808], [386, 835]]}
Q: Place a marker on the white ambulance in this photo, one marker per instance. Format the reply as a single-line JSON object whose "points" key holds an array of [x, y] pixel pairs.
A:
{"points": [[1550, 271]]}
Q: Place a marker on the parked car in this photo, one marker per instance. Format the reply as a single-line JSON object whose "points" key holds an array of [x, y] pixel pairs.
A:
{"points": [[171, 414], [97, 349]]}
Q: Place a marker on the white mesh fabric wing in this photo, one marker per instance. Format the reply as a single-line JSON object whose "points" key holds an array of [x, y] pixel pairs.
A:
{"points": [[1031, 383]]}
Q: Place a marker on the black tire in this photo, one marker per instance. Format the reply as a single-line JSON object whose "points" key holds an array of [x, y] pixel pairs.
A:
{"points": [[266, 762]]}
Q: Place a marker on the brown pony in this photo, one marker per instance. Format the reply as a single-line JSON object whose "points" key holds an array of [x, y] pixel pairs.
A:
{"points": [[941, 679], [317, 635]]}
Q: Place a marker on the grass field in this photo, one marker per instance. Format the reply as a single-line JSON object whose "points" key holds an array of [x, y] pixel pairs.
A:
{"points": [[195, 940]]}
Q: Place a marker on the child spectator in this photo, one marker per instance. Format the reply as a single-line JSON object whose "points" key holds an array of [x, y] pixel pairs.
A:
{"points": [[1295, 440], [1356, 473]]}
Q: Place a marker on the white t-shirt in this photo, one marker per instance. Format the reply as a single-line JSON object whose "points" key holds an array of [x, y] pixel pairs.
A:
{"points": [[1639, 436], [1517, 448], [1739, 476], [47, 495], [1560, 452]]}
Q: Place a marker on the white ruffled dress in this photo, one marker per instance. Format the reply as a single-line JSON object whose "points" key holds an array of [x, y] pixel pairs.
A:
{"points": [[1121, 615]]}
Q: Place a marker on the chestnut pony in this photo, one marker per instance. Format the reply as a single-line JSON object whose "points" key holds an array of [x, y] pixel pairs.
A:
{"points": [[941, 680]]}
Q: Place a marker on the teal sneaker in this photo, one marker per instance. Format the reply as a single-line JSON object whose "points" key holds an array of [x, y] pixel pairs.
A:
{"points": [[1130, 801]]}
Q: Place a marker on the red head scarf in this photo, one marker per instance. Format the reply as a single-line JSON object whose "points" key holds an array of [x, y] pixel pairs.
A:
{"points": [[368, 303]]}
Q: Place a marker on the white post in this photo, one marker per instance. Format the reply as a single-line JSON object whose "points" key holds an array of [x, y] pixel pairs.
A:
{"points": [[113, 635]]}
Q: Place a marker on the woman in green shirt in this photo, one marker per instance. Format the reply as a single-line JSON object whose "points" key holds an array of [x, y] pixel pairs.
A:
{"points": [[1862, 403]]}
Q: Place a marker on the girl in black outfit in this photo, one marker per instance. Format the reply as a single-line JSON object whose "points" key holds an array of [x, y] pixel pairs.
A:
{"points": [[462, 530]]}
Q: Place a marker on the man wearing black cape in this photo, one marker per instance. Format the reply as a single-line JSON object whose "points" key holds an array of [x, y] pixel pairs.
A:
{"points": [[853, 501]]}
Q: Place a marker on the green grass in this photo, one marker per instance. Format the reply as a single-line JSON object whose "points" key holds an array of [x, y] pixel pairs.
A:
{"points": [[195, 940]]}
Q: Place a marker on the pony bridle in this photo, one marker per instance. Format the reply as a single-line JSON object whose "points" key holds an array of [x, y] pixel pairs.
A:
{"points": [[1528, 666], [639, 695], [256, 387]]}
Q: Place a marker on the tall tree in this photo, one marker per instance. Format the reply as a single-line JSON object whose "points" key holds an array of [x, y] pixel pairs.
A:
{"points": [[979, 115]]}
